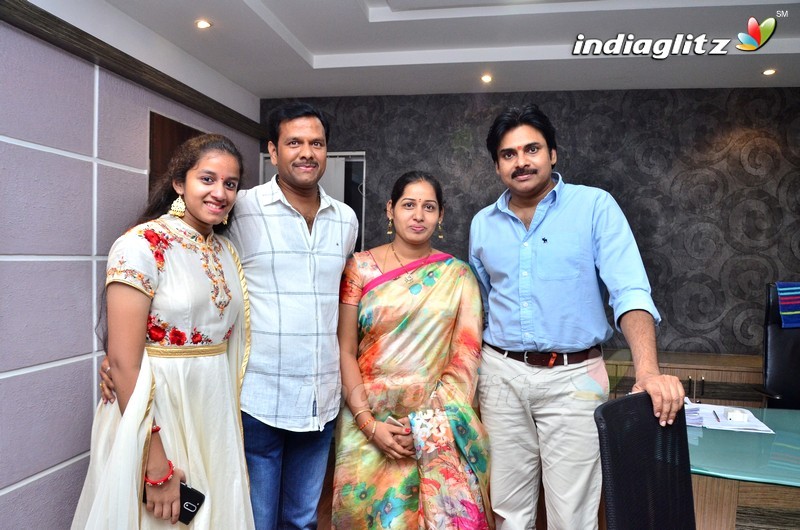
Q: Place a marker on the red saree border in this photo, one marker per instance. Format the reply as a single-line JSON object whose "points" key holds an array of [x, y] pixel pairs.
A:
{"points": [[395, 273]]}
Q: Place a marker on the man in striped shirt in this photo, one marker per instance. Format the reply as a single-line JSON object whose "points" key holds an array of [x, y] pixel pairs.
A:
{"points": [[293, 240]]}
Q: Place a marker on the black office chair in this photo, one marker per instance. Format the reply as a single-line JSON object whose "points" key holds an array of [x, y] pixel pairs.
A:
{"points": [[647, 480], [781, 387]]}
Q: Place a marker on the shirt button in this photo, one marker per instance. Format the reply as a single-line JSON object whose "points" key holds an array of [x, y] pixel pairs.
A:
{"points": [[524, 273], [524, 304], [525, 244]]}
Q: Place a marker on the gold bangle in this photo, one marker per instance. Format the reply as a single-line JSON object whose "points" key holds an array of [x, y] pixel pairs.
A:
{"points": [[355, 416], [372, 434]]}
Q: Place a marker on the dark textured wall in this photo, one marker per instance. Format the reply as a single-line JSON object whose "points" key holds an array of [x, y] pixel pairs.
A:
{"points": [[709, 180]]}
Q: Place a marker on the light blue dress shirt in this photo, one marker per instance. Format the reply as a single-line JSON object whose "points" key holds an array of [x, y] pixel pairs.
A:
{"points": [[544, 288]]}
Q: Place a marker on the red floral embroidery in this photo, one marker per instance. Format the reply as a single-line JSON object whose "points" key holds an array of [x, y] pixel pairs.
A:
{"points": [[208, 251], [228, 334], [152, 237], [199, 338], [156, 330], [166, 335], [157, 244], [156, 333], [177, 337]]}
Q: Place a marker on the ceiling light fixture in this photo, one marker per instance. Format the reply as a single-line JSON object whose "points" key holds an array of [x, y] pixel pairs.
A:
{"points": [[203, 24], [769, 71], [486, 78]]}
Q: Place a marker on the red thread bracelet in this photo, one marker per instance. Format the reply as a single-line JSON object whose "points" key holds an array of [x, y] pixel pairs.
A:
{"points": [[151, 482]]}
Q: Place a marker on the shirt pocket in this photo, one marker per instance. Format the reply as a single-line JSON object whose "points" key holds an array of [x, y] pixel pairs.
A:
{"points": [[559, 257]]}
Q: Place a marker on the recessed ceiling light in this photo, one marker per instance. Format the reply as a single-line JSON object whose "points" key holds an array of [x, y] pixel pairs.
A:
{"points": [[202, 24], [769, 71], [486, 78]]}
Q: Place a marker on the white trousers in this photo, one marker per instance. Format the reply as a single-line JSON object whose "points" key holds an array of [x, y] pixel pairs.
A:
{"points": [[541, 427]]}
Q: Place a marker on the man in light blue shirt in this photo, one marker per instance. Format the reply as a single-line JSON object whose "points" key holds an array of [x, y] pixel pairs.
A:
{"points": [[546, 254]]}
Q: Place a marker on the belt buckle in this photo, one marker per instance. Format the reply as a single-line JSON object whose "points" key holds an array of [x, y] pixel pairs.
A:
{"points": [[550, 362], [525, 358]]}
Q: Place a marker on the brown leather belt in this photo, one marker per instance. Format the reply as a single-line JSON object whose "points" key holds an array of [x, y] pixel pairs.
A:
{"points": [[550, 359]]}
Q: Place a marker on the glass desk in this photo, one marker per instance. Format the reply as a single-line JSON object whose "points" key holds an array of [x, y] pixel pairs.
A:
{"points": [[745, 478], [754, 457]]}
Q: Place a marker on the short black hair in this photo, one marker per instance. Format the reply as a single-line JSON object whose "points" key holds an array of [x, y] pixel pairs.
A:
{"points": [[513, 117], [292, 111]]}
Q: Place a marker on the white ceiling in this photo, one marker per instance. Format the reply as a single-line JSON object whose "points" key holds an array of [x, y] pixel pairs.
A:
{"points": [[306, 48]]}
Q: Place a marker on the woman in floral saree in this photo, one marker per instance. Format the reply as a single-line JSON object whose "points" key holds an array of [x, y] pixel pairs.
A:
{"points": [[410, 334]]}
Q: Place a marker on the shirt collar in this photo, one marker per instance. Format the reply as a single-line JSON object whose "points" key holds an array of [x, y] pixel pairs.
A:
{"points": [[552, 196], [270, 193]]}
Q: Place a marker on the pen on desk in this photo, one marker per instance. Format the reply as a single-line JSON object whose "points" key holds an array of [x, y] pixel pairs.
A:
{"points": [[715, 414]]}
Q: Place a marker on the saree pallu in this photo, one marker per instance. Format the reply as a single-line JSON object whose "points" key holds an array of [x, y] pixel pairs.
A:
{"points": [[415, 337]]}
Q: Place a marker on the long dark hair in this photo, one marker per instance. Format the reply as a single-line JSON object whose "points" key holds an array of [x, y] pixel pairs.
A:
{"points": [[185, 158]]}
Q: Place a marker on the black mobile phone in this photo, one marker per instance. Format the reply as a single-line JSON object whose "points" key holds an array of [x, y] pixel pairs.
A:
{"points": [[191, 500]]}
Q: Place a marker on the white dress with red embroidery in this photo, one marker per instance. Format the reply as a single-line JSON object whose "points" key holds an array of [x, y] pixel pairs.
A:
{"points": [[189, 382]]}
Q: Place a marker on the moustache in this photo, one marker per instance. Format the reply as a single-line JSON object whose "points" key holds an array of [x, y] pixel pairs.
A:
{"points": [[524, 171]]}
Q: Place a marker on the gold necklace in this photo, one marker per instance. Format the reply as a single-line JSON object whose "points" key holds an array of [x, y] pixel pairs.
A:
{"points": [[408, 278]]}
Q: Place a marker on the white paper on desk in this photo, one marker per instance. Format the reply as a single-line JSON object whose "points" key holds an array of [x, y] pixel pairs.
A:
{"points": [[700, 414], [693, 418]]}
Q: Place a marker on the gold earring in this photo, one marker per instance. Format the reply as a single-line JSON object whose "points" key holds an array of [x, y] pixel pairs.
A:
{"points": [[441, 233], [225, 219], [178, 208], [389, 230]]}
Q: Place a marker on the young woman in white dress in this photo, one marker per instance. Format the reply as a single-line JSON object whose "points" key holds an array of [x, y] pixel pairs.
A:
{"points": [[177, 347]]}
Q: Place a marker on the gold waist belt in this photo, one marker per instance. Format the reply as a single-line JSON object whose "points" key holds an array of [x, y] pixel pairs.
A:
{"points": [[188, 351]]}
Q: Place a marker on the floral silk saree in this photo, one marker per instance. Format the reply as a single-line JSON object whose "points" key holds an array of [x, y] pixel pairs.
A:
{"points": [[419, 331]]}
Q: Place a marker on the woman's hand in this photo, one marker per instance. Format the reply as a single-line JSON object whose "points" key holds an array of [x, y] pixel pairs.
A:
{"points": [[164, 501], [405, 440], [106, 383], [394, 441]]}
